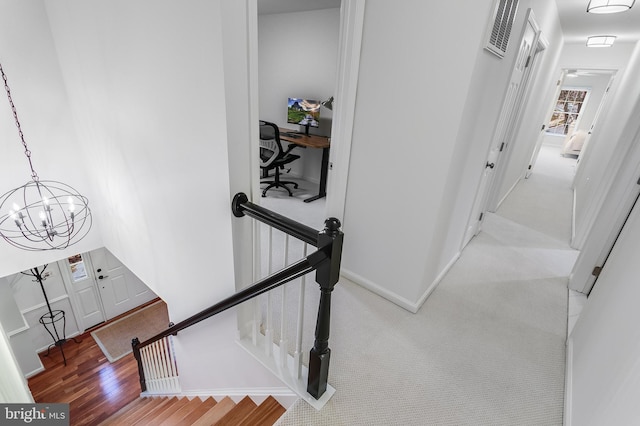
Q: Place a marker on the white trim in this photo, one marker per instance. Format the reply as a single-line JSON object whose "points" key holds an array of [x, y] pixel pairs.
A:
{"points": [[283, 395], [44, 304], [237, 392], [439, 278], [34, 372], [351, 25], [507, 194], [382, 292], [568, 384], [19, 330], [410, 306], [298, 385], [573, 218]]}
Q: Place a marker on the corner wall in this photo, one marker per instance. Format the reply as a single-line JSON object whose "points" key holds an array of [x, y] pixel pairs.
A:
{"points": [[146, 84], [417, 156], [29, 60]]}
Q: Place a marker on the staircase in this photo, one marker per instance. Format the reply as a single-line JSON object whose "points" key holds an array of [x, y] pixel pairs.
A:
{"points": [[174, 411]]}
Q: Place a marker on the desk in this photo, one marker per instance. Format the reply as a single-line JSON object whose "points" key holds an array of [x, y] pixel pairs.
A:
{"points": [[312, 141]]}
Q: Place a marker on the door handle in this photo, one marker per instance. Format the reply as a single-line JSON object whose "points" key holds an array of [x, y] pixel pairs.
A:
{"points": [[102, 277], [490, 165]]}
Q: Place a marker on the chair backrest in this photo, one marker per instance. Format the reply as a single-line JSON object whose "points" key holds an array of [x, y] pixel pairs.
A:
{"points": [[270, 146]]}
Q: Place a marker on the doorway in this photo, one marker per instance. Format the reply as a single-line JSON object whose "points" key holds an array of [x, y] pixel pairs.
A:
{"points": [[340, 82], [282, 78], [489, 187], [101, 287]]}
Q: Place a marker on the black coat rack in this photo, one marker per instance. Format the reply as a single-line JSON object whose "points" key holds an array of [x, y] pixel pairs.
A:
{"points": [[53, 321]]}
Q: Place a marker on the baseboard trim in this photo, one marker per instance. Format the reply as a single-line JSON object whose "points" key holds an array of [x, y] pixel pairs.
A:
{"points": [[382, 292], [507, 194], [439, 278], [404, 303], [34, 372], [568, 384]]}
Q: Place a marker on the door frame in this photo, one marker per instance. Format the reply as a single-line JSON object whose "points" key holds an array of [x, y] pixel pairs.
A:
{"points": [[610, 218], [67, 279], [540, 44], [491, 181], [349, 46]]}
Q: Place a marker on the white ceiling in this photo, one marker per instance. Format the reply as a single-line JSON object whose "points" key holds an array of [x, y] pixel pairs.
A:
{"points": [[266, 7], [577, 24]]}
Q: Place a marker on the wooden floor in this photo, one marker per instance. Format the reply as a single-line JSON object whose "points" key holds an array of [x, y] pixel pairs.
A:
{"points": [[94, 388]]}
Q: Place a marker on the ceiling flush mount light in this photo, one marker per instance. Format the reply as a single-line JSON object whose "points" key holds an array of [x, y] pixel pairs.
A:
{"points": [[600, 41], [41, 215], [609, 6]]}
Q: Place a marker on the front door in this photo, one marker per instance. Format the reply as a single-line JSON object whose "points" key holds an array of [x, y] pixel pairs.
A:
{"points": [[119, 288], [88, 308]]}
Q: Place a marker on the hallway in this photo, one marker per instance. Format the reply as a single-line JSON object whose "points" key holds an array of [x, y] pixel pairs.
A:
{"points": [[487, 347]]}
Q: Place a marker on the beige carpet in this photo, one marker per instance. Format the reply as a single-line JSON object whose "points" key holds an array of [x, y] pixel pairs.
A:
{"points": [[487, 347], [115, 338]]}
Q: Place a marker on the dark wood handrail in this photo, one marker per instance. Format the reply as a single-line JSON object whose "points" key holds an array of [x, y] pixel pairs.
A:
{"points": [[283, 276], [325, 261], [241, 206]]}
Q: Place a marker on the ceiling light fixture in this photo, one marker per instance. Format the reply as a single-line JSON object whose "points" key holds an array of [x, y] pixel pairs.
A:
{"points": [[609, 6], [41, 215], [601, 41]]}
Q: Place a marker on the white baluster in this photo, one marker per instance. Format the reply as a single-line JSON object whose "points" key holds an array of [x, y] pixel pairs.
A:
{"points": [[268, 347], [297, 356], [283, 307]]}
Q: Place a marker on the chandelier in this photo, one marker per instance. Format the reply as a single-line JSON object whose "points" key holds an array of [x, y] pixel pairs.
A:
{"points": [[41, 214]]}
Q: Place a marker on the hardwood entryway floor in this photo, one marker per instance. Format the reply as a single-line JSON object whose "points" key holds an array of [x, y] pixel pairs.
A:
{"points": [[93, 387]]}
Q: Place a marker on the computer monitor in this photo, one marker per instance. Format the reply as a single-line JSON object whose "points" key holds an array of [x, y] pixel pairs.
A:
{"points": [[305, 112]]}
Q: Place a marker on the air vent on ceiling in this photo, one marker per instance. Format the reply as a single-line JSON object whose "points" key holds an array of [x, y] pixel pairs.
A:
{"points": [[500, 26]]}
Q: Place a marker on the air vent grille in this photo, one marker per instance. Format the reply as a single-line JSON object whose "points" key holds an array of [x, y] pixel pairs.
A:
{"points": [[501, 26]]}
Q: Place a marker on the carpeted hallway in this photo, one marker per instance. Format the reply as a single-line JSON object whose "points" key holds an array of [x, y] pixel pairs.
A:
{"points": [[488, 346]]}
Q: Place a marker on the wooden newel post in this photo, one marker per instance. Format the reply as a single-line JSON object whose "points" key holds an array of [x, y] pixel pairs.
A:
{"points": [[327, 276], [135, 345]]}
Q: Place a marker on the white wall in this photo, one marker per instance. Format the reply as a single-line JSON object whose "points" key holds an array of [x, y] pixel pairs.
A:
{"points": [[597, 85], [13, 386], [29, 60], [146, 87], [27, 294], [606, 145], [417, 156], [606, 354], [298, 58]]}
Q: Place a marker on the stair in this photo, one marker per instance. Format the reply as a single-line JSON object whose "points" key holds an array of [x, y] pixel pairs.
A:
{"points": [[174, 411]]}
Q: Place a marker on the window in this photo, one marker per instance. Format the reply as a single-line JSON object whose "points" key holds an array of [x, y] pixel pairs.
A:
{"points": [[566, 112]]}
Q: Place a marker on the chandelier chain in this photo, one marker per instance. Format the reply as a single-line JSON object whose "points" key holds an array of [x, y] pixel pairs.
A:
{"points": [[27, 152]]}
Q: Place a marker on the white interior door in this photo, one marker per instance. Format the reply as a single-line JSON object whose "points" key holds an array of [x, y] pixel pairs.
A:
{"points": [[119, 288], [88, 306], [510, 108]]}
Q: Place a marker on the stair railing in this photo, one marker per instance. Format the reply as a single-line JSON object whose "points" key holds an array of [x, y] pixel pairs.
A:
{"points": [[156, 362]]}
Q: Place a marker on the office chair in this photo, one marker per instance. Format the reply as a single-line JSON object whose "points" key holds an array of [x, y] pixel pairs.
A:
{"points": [[273, 156]]}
